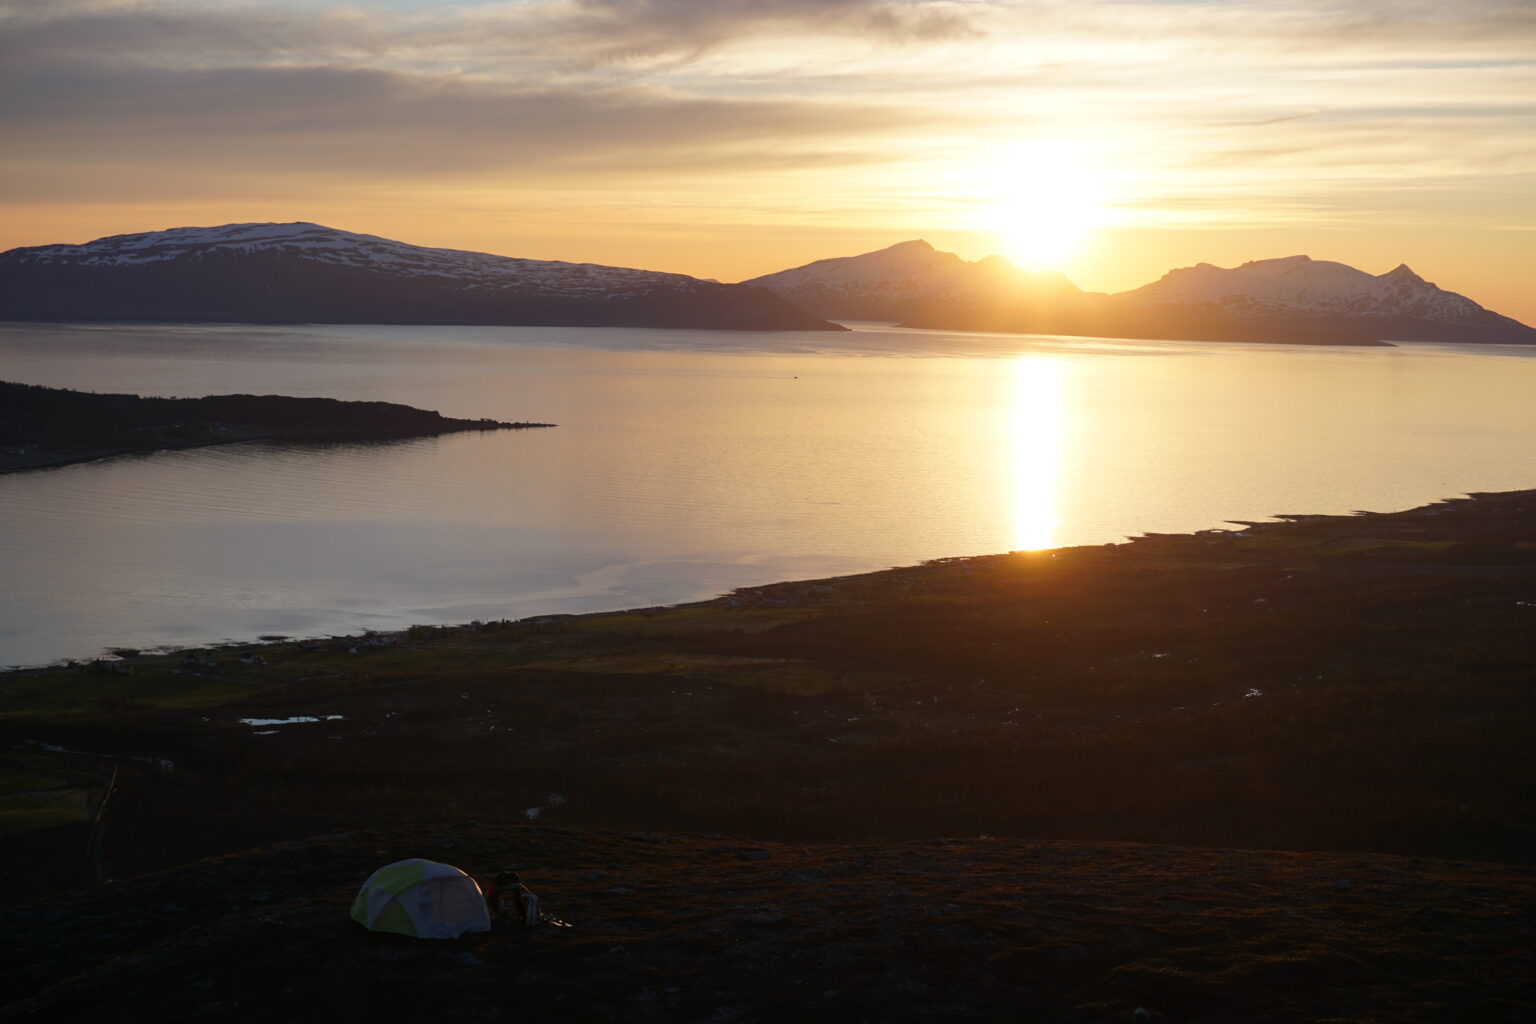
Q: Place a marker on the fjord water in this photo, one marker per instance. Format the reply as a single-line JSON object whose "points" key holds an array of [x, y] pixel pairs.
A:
{"points": [[690, 462]]}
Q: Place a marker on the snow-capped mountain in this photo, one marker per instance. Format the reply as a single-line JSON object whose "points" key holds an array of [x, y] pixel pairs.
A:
{"points": [[905, 280], [1301, 294], [347, 248], [1300, 283], [302, 272], [1296, 299]]}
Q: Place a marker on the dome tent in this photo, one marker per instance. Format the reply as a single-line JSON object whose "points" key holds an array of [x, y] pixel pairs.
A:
{"points": [[421, 898]]}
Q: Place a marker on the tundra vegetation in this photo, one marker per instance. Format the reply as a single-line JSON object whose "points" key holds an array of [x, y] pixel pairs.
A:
{"points": [[1344, 688]]}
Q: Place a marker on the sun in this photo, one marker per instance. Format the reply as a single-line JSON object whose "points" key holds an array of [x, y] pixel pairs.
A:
{"points": [[1048, 201]]}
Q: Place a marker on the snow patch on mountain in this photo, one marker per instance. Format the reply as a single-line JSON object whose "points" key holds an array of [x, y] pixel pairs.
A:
{"points": [[1300, 284], [366, 252]]}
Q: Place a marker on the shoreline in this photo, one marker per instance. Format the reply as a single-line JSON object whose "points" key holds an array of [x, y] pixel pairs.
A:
{"points": [[53, 460], [783, 593]]}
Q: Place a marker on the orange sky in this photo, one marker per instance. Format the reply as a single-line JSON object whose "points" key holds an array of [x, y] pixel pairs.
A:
{"points": [[1111, 141]]}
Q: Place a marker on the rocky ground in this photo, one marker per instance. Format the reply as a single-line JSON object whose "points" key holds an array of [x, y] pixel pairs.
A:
{"points": [[658, 927]]}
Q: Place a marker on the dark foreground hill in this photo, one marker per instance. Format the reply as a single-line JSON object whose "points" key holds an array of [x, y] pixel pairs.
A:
{"points": [[1355, 690], [661, 928], [52, 426], [308, 273], [1315, 684]]}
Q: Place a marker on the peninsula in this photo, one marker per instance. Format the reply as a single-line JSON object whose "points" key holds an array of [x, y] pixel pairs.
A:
{"points": [[53, 427]]}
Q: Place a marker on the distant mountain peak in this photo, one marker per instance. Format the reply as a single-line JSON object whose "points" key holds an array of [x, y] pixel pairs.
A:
{"points": [[253, 231], [892, 283], [1401, 272], [319, 243], [302, 271], [1287, 299], [1283, 266], [1303, 285]]}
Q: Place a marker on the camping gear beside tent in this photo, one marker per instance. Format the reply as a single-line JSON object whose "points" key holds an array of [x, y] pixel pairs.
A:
{"points": [[421, 898]]}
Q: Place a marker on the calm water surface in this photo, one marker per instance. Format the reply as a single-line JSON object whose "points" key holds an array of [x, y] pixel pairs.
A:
{"points": [[690, 462]]}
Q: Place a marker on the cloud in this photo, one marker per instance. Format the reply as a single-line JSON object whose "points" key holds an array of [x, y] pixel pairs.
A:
{"points": [[544, 33], [381, 125], [625, 29], [72, 34], [93, 90], [1280, 103], [1279, 119]]}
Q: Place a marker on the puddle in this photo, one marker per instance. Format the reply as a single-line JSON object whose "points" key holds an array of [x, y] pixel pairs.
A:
{"points": [[290, 721]]}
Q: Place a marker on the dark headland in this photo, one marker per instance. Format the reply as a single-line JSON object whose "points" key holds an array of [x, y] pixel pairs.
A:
{"points": [[1278, 773], [53, 427]]}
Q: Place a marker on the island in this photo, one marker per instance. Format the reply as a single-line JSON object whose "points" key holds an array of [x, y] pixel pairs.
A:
{"points": [[1280, 771], [42, 426]]}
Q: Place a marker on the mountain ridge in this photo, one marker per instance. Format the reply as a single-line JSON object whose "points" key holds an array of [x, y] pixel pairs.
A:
{"points": [[304, 272], [1300, 282], [1289, 299], [905, 280]]}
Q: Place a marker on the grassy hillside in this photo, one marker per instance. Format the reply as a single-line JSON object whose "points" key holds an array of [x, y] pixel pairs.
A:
{"points": [[1337, 683], [1353, 689], [706, 928]]}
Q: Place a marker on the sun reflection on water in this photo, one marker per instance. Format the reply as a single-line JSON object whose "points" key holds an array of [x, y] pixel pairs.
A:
{"points": [[1037, 429]]}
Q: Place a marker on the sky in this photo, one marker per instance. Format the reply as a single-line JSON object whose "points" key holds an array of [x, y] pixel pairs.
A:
{"points": [[1109, 139]]}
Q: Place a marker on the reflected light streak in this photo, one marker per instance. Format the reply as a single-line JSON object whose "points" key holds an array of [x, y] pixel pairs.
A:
{"points": [[1037, 430]]}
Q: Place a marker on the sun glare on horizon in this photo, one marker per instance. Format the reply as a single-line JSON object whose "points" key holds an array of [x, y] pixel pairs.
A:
{"points": [[1049, 200]]}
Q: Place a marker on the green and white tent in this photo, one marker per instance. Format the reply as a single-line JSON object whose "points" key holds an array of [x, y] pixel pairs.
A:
{"points": [[421, 898]]}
